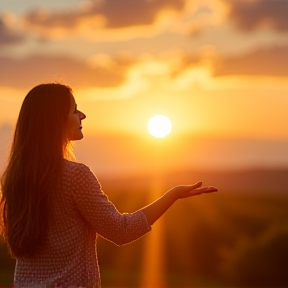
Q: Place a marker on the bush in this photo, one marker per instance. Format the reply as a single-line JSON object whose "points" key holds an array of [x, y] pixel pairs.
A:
{"points": [[261, 262]]}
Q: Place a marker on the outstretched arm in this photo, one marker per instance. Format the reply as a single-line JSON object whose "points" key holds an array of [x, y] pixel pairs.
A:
{"points": [[156, 209]]}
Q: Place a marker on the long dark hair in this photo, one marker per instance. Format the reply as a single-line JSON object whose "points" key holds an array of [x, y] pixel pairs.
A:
{"points": [[34, 167]]}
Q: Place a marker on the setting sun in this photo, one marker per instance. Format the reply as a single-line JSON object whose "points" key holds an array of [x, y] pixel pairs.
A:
{"points": [[159, 126]]}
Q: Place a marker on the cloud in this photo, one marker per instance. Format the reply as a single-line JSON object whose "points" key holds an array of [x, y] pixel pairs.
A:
{"points": [[8, 36], [269, 62], [249, 15], [24, 73], [132, 72], [200, 15], [109, 15], [134, 12]]}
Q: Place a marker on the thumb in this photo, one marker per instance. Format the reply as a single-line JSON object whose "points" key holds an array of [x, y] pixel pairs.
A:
{"points": [[196, 185]]}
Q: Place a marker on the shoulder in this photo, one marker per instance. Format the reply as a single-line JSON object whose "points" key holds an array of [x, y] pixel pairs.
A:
{"points": [[75, 167], [79, 172]]}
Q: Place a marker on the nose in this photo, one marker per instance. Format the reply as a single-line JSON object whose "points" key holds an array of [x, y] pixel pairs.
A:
{"points": [[81, 115]]}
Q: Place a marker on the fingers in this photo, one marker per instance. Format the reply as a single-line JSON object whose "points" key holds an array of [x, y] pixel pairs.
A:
{"points": [[196, 185], [188, 188], [208, 189], [184, 191]]}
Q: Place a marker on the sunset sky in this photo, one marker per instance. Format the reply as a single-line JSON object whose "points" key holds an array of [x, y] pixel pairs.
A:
{"points": [[217, 68]]}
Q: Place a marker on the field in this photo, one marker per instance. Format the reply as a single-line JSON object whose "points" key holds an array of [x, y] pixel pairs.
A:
{"points": [[226, 239], [216, 241]]}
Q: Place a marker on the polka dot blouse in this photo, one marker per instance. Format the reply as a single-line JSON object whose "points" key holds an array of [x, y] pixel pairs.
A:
{"points": [[80, 211]]}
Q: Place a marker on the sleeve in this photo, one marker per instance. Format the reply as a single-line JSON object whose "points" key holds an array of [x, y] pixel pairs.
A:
{"points": [[102, 215]]}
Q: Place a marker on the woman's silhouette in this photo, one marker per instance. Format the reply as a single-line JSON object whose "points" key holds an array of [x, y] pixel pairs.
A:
{"points": [[53, 208]]}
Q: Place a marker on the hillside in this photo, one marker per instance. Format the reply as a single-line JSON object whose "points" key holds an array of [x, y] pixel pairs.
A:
{"points": [[247, 181]]}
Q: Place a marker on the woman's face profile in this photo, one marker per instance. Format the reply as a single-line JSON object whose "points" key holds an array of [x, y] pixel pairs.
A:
{"points": [[74, 126]]}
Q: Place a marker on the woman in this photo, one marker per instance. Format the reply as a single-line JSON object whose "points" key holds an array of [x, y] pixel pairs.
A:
{"points": [[53, 208]]}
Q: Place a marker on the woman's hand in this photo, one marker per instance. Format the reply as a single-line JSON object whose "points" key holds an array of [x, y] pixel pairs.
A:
{"points": [[156, 209], [184, 191]]}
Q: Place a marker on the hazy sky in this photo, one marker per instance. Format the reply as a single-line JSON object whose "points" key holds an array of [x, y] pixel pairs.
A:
{"points": [[216, 68]]}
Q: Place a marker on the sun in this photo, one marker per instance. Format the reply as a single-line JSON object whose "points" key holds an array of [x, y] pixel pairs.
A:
{"points": [[159, 126]]}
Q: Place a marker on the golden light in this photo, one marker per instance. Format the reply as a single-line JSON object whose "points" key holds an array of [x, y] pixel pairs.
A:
{"points": [[159, 126]]}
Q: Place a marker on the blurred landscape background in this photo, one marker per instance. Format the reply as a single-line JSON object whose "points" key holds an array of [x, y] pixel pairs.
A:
{"points": [[236, 237], [218, 69]]}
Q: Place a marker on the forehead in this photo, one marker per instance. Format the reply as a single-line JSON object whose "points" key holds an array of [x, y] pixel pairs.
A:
{"points": [[72, 100]]}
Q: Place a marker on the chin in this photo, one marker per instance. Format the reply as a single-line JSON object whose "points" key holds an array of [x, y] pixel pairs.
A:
{"points": [[77, 137], [80, 137]]}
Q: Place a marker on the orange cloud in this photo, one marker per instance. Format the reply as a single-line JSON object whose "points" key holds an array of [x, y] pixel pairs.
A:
{"points": [[108, 15], [199, 15], [261, 62], [9, 36], [134, 12], [121, 20], [106, 71], [249, 15], [27, 72]]}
